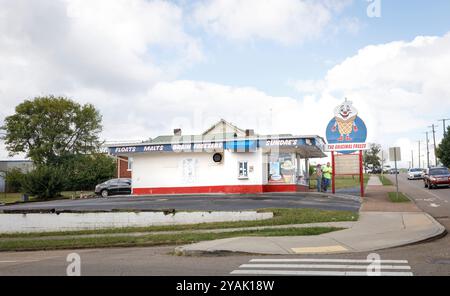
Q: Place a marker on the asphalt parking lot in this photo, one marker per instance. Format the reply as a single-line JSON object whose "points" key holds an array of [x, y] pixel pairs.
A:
{"points": [[216, 202]]}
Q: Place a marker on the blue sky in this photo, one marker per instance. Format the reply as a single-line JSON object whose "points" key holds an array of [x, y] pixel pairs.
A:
{"points": [[271, 65]]}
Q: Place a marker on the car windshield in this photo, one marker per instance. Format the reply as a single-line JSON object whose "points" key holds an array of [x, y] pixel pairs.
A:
{"points": [[439, 172], [415, 170]]}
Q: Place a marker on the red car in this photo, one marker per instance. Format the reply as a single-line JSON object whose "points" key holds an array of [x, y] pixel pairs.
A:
{"points": [[436, 177]]}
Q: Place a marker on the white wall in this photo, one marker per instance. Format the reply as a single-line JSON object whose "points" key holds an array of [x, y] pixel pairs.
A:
{"points": [[10, 223], [166, 169]]}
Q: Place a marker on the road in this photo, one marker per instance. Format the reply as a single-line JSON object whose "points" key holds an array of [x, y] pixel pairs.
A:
{"points": [[430, 258], [213, 202]]}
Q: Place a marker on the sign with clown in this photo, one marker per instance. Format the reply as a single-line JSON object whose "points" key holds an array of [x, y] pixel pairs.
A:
{"points": [[346, 132], [346, 139]]}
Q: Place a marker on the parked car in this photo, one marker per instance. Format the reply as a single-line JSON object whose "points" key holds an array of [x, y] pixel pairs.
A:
{"points": [[114, 187], [436, 177], [415, 173]]}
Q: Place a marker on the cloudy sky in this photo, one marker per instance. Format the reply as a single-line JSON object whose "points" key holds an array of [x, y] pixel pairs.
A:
{"points": [[272, 65]]}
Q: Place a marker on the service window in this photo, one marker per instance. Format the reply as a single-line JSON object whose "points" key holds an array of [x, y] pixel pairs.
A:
{"points": [[243, 169], [130, 163]]}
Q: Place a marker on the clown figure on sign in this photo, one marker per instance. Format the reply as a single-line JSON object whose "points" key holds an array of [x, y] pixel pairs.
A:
{"points": [[345, 115]]}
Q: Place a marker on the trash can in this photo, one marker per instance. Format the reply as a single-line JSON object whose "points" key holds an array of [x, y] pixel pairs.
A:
{"points": [[24, 197]]}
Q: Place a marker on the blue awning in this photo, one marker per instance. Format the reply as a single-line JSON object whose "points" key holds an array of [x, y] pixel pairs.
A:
{"points": [[241, 146]]}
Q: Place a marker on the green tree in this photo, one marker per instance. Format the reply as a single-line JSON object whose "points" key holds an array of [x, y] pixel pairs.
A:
{"points": [[14, 179], [86, 171], [371, 156], [47, 128], [443, 150], [45, 181]]}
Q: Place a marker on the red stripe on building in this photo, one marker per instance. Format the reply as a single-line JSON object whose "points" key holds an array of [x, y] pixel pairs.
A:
{"points": [[221, 189]]}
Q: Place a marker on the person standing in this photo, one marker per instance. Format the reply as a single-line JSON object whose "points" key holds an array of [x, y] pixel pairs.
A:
{"points": [[319, 177], [327, 171]]}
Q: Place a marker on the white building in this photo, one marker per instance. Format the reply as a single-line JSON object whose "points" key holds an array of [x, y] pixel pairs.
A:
{"points": [[224, 159]]}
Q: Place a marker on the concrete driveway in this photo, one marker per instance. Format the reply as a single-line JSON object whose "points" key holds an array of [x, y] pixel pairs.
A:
{"points": [[213, 202]]}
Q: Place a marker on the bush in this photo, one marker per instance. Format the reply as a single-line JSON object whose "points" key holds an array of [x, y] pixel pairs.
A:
{"points": [[83, 172], [44, 182], [14, 179]]}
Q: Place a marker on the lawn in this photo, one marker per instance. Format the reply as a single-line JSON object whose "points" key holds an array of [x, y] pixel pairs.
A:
{"points": [[9, 198], [344, 182], [401, 197], [385, 181], [151, 239], [281, 217]]}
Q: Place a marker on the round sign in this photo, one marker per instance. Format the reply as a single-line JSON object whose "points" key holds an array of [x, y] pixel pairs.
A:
{"points": [[346, 127]]}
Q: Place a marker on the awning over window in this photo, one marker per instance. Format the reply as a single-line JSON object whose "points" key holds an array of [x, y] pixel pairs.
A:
{"points": [[241, 145]]}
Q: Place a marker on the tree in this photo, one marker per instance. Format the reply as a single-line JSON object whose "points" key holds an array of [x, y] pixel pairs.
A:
{"points": [[47, 128], [443, 150], [45, 181], [371, 156], [86, 171]]}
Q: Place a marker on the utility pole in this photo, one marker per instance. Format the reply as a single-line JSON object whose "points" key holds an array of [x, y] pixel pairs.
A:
{"points": [[412, 158], [428, 152], [419, 153], [434, 144], [444, 126]]}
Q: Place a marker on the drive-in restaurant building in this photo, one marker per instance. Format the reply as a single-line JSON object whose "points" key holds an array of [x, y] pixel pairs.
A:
{"points": [[223, 159]]}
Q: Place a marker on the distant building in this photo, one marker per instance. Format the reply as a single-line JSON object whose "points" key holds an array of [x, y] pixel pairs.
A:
{"points": [[223, 159], [8, 165]]}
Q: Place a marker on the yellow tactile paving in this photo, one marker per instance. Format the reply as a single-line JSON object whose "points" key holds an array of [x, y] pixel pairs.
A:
{"points": [[322, 249]]}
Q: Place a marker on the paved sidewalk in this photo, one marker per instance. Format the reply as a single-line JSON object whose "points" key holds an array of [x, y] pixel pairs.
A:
{"points": [[377, 200], [374, 231], [382, 224], [374, 181]]}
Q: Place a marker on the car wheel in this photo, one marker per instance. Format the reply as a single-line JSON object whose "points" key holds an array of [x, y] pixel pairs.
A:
{"points": [[104, 193]]}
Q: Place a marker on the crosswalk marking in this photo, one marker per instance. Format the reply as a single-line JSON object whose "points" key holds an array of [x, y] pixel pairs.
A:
{"points": [[315, 273], [332, 260], [324, 267], [321, 266]]}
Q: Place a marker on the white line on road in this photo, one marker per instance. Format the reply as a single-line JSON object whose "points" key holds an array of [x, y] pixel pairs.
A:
{"points": [[316, 273], [331, 261], [323, 266]]}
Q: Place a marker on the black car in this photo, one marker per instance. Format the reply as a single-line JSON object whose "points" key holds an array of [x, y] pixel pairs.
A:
{"points": [[114, 187]]}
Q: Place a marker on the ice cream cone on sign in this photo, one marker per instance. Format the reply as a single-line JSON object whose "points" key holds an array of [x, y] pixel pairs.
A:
{"points": [[345, 127]]}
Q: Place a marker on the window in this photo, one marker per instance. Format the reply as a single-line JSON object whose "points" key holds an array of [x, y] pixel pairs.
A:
{"points": [[130, 163], [243, 169]]}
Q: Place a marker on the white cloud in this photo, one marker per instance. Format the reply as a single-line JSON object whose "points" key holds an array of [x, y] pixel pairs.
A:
{"points": [[399, 87], [105, 51], [284, 21]]}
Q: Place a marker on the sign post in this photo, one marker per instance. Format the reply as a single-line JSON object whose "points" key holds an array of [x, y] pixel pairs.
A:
{"points": [[333, 175], [395, 155], [361, 173], [346, 139]]}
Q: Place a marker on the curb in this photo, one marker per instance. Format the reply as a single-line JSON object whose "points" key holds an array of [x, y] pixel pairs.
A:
{"points": [[438, 233]]}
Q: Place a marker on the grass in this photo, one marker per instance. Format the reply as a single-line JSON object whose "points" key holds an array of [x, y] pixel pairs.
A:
{"points": [[385, 181], [280, 217], [150, 240], [343, 182], [401, 197], [10, 198]]}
